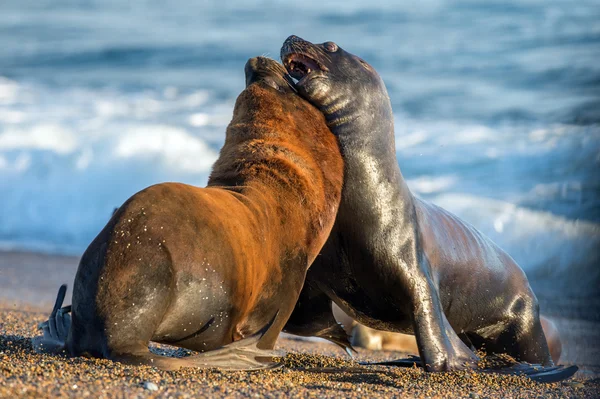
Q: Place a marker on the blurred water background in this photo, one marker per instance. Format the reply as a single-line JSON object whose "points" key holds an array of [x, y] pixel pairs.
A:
{"points": [[497, 107]]}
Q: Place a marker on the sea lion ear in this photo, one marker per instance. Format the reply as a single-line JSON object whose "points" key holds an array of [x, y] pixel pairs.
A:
{"points": [[364, 64], [282, 85], [269, 81]]}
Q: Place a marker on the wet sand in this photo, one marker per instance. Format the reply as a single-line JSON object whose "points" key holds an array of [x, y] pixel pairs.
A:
{"points": [[28, 286]]}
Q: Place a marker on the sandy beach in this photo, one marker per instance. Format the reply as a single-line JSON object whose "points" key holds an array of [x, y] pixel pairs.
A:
{"points": [[28, 286]]}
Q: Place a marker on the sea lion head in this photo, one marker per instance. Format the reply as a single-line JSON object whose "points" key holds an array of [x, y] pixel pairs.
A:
{"points": [[266, 71], [269, 95], [345, 88], [269, 121]]}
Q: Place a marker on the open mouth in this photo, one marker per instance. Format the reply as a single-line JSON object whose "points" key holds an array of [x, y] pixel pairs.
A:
{"points": [[299, 65]]}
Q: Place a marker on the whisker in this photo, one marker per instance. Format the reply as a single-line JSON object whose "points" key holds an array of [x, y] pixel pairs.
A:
{"points": [[279, 69]]}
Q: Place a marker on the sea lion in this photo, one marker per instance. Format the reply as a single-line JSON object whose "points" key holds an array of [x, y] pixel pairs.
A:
{"points": [[393, 261], [201, 268], [362, 336]]}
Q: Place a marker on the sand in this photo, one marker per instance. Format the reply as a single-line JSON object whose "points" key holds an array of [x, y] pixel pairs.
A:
{"points": [[312, 368]]}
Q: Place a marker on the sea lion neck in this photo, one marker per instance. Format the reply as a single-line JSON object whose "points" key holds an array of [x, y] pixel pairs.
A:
{"points": [[393, 204], [367, 143]]}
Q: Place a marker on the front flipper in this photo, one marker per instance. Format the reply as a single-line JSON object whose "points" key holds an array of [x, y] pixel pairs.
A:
{"points": [[239, 355], [538, 372], [535, 372], [313, 317]]}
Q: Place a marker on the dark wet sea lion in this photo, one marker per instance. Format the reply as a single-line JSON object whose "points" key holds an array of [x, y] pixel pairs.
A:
{"points": [[394, 262], [201, 268], [362, 336]]}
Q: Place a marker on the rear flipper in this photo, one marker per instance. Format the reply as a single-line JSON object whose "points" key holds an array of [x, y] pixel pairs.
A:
{"points": [[56, 328], [338, 336], [313, 317], [535, 372], [240, 355]]}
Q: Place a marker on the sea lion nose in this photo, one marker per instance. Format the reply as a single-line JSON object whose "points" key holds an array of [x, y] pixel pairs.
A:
{"points": [[264, 69], [291, 43], [293, 39], [252, 62], [250, 70]]}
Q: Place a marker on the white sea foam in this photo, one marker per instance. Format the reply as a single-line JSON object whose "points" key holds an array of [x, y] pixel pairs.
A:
{"points": [[8, 90], [177, 148], [68, 157], [39, 137], [540, 242], [431, 184], [411, 139]]}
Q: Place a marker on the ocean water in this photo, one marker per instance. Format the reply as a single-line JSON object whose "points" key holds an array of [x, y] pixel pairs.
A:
{"points": [[497, 108]]}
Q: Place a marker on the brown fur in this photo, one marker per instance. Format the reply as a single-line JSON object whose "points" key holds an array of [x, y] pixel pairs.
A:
{"points": [[176, 259]]}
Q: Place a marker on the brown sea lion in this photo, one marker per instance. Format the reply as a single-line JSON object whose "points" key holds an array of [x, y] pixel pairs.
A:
{"points": [[204, 268], [393, 261]]}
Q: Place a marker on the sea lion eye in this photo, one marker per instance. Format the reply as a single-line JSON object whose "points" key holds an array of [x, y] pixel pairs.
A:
{"points": [[330, 46]]}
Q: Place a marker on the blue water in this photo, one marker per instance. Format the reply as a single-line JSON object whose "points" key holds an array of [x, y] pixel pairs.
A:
{"points": [[497, 108]]}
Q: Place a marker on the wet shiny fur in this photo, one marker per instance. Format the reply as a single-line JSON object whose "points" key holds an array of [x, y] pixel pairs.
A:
{"points": [[370, 338], [394, 262]]}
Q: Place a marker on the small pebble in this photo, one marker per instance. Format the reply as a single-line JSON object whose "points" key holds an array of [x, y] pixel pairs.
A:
{"points": [[150, 386]]}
